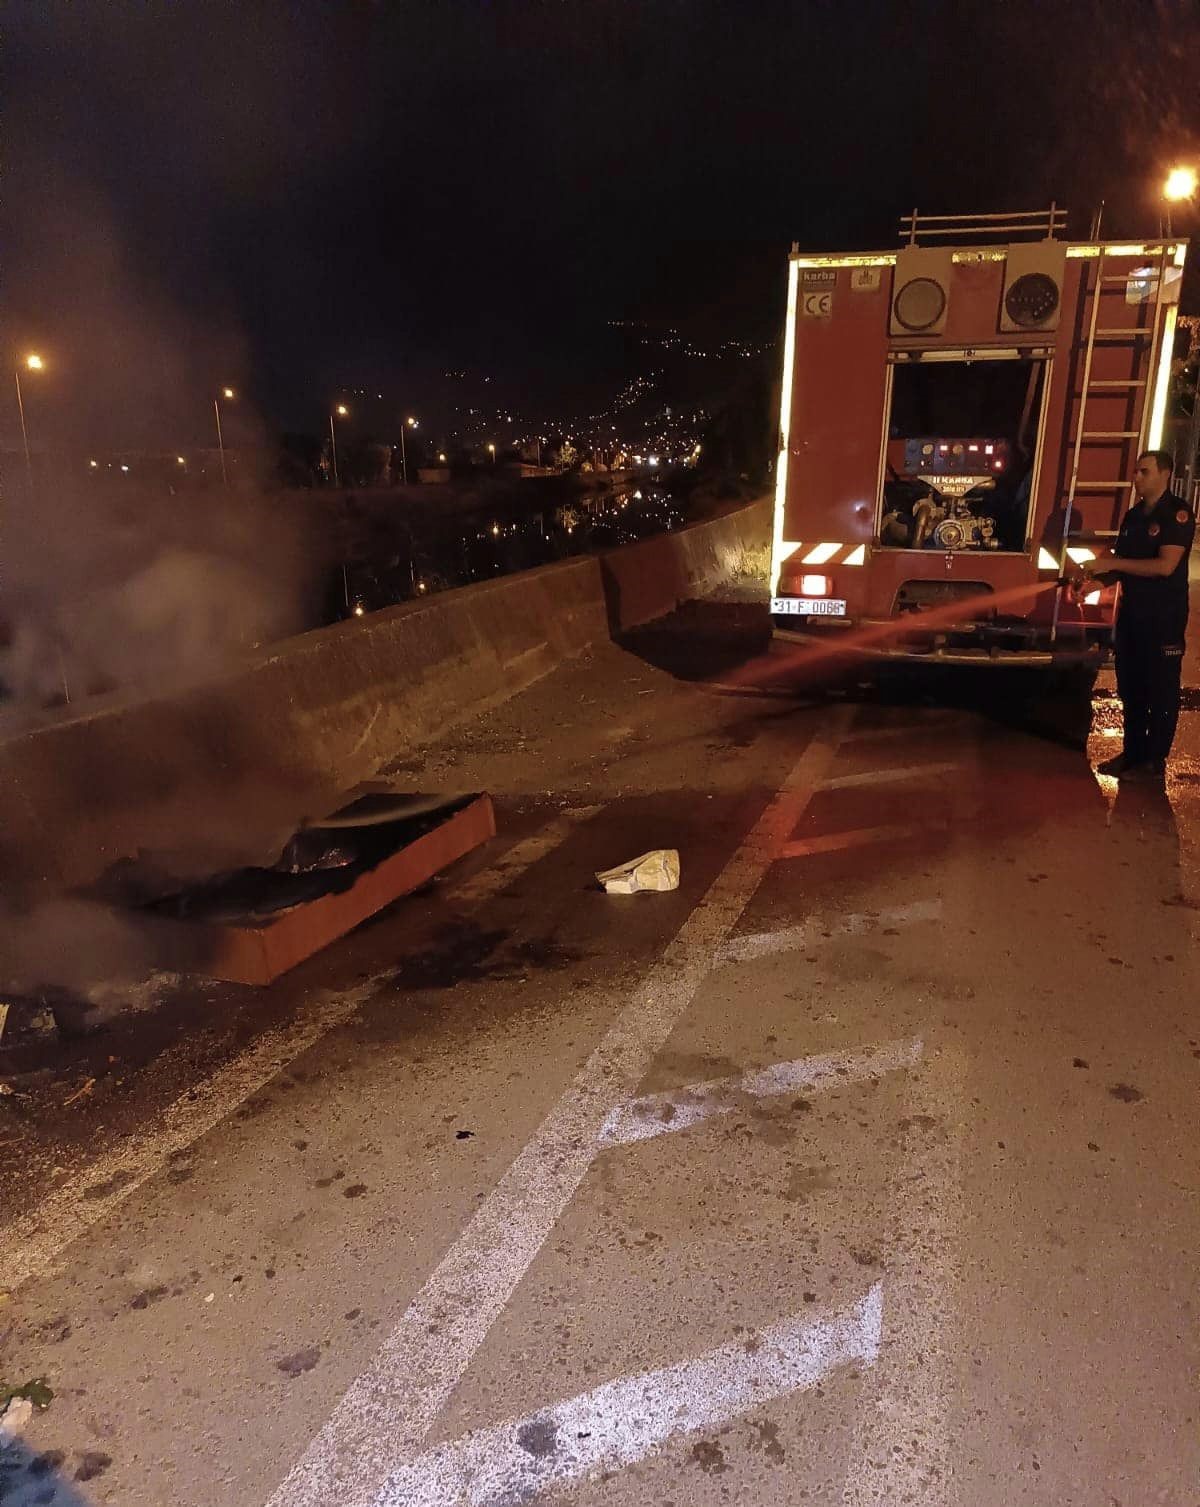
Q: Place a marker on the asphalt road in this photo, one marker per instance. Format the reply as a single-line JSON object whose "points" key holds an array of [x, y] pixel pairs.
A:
{"points": [[860, 1169]]}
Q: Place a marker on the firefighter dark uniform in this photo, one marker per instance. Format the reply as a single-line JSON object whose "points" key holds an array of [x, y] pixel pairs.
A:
{"points": [[1151, 624]]}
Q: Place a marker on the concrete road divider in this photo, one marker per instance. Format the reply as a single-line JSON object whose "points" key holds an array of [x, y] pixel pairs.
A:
{"points": [[218, 775]]}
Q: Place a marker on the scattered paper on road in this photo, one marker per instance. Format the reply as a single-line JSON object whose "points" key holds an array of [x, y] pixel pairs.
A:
{"points": [[658, 870]]}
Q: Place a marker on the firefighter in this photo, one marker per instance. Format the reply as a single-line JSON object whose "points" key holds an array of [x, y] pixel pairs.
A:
{"points": [[1150, 560]]}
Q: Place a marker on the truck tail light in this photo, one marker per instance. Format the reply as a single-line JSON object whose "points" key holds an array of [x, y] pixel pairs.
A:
{"points": [[815, 586]]}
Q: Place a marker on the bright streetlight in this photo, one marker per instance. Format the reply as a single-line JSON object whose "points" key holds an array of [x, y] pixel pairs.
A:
{"points": [[492, 453], [409, 423], [342, 412], [1179, 188], [1181, 184], [228, 394], [34, 363]]}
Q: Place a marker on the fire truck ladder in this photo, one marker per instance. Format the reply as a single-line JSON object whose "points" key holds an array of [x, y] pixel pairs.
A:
{"points": [[1135, 337], [1032, 223]]}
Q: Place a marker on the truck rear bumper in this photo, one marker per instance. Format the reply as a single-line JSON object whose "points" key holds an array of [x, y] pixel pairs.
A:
{"points": [[955, 646]]}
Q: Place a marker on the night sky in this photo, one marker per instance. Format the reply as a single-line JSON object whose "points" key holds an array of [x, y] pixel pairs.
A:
{"points": [[303, 198]]}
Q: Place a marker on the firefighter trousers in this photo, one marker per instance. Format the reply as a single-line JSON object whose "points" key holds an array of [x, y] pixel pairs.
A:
{"points": [[1149, 666]]}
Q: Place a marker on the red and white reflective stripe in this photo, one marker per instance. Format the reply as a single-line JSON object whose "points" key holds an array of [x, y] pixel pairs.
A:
{"points": [[822, 553]]}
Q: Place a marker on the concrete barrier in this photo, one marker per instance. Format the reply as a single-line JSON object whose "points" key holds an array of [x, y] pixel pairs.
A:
{"points": [[221, 774]]}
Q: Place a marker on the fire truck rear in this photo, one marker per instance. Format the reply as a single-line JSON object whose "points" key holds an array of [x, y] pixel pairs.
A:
{"points": [[959, 423]]}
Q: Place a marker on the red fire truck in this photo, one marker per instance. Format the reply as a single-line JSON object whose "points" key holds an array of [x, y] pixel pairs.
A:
{"points": [[958, 428]]}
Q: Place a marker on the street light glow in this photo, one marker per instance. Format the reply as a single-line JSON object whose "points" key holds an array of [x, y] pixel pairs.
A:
{"points": [[342, 411], [412, 423], [180, 461], [34, 362], [1181, 184], [227, 392]]}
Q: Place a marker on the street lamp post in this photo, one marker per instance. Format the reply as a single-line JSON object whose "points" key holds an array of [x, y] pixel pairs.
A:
{"points": [[228, 394], [408, 424], [34, 363], [342, 412]]}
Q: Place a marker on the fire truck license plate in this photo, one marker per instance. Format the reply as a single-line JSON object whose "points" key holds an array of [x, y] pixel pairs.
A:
{"points": [[809, 606]]}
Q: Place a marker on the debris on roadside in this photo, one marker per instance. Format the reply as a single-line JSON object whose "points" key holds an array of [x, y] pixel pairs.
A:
{"points": [[15, 1418], [658, 870], [80, 1093], [17, 1405]]}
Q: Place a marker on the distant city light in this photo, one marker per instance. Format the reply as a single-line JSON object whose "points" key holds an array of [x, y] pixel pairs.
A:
{"points": [[180, 461], [441, 457], [95, 464], [124, 468], [359, 609]]}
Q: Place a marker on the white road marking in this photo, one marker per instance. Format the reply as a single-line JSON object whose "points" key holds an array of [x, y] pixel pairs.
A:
{"points": [[35, 1244], [834, 842], [678, 1108], [623, 1421], [916, 729], [761, 944], [888, 776], [386, 1413], [903, 1448]]}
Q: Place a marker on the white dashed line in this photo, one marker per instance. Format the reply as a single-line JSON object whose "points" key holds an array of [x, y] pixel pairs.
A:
{"points": [[809, 933], [856, 837], [888, 776], [624, 1421], [677, 1109]]}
